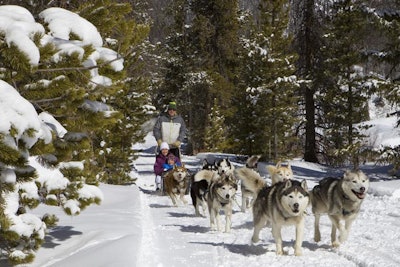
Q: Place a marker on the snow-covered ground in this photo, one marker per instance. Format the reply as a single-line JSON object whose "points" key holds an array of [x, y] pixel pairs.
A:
{"points": [[136, 227]]}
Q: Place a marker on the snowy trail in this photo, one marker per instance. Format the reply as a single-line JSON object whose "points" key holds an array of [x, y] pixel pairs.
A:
{"points": [[181, 239], [134, 227]]}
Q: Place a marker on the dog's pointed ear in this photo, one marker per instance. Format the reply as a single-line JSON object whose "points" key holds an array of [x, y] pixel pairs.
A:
{"points": [[289, 166], [304, 185], [278, 165], [346, 175], [205, 162], [270, 169], [288, 184]]}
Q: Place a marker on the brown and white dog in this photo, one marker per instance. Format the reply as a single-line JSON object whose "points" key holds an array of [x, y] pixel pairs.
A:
{"points": [[280, 173], [176, 183]]}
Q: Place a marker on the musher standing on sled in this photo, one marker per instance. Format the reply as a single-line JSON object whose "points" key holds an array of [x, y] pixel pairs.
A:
{"points": [[170, 128]]}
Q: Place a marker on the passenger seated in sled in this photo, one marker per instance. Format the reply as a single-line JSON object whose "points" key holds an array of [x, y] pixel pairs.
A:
{"points": [[165, 161]]}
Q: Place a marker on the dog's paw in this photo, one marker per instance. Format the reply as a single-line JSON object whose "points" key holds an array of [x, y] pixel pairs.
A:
{"points": [[255, 239], [298, 252], [335, 244], [343, 236]]}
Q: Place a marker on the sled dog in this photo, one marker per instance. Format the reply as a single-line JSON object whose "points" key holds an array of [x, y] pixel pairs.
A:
{"points": [[205, 175], [341, 200], [220, 197], [175, 183], [251, 182], [198, 193], [199, 188], [224, 166], [208, 165], [280, 173], [283, 203]]}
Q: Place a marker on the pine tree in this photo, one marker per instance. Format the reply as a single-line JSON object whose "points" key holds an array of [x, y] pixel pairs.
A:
{"points": [[201, 61], [267, 98], [346, 86], [215, 134], [113, 152], [61, 87], [307, 44]]}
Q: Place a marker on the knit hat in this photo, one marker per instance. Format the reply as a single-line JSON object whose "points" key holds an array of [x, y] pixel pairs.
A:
{"points": [[172, 105], [164, 145]]}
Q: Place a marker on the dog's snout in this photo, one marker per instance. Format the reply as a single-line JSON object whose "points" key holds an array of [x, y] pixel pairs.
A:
{"points": [[362, 189], [296, 205], [227, 196]]}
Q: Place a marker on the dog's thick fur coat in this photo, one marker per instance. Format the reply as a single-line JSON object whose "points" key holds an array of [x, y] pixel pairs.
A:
{"points": [[341, 200], [250, 184], [198, 193], [176, 183], [284, 203], [220, 196]]}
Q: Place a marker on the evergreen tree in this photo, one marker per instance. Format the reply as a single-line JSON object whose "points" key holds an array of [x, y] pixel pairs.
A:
{"points": [[267, 100], [215, 132], [215, 42], [81, 89], [201, 61], [346, 87], [113, 152], [307, 43]]}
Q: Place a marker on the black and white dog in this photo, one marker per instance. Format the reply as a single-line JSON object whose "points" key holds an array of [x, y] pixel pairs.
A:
{"points": [[224, 166], [203, 179]]}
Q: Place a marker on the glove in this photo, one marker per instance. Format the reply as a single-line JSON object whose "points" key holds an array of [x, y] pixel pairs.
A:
{"points": [[159, 141], [177, 143]]}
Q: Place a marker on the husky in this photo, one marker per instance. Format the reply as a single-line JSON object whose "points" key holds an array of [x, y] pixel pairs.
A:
{"points": [[283, 203], [280, 173], [245, 174], [199, 188], [224, 166], [209, 166], [205, 175], [220, 197], [175, 183], [341, 200], [198, 193]]}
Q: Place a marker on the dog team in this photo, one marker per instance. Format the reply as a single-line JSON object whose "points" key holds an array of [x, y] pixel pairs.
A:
{"points": [[283, 202]]}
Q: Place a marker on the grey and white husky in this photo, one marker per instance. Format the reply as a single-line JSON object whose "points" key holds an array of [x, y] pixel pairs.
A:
{"points": [[283, 203], [341, 200], [220, 196]]}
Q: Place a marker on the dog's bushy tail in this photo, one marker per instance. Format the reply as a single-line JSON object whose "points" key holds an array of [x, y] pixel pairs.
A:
{"points": [[252, 161], [250, 179]]}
